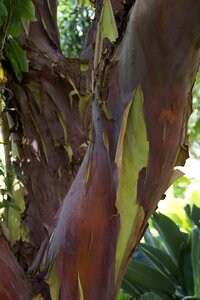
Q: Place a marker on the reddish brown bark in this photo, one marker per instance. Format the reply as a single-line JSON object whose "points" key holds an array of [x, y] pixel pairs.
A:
{"points": [[13, 282], [41, 100], [158, 51]]}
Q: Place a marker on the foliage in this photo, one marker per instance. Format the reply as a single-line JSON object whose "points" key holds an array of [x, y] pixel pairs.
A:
{"points": [[15, 16], [73, 20], [184, 191], [123, 296], [194, 122], [11, 180], [180, 187], [167, 265]]}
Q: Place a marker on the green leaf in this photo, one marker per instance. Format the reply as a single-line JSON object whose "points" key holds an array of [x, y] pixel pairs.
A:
{"points": [[25, 24], [194, 196], [140, 273], [122, 296], [185, 267], [171, 235], [196, 260], [160, 259], [19, 54], [194, 214], [129, 288], [2, 205], [190, 298], [85, 2], [17, 57], [3, 10], [150, 296], [180, 186], [152, 240], [13, 61], [20, 11], [26, 9]]}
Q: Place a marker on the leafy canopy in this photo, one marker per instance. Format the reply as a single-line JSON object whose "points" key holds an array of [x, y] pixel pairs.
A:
{"points": [[15, 16], [73, 21]]}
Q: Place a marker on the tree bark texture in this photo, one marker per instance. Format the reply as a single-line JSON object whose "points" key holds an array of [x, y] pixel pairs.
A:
{"points": [[142, 71], [48, 138]]}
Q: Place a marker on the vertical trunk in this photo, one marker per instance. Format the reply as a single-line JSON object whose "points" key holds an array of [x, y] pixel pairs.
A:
{"points": [[141, 87], [141, 104], [13, 283], [47, 103]]}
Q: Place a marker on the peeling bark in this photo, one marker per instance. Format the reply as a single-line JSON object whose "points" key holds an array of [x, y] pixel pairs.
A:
{"points": [[48, 140], [141, 87], [159, 52]]}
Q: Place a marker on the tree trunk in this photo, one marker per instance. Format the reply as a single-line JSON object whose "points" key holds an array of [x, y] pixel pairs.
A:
{"points": [[141, 77], [48, 138]]}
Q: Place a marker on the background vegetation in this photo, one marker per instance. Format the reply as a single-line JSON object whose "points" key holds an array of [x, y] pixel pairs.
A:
{"points": [[74, 18]]}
